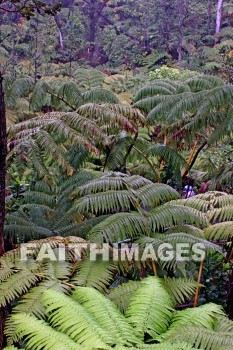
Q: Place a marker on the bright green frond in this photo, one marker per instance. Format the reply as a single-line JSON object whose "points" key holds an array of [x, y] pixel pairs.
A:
{"points": [[39, 335], [106, 314], [71, 318], [204, 315], [150, 309]]}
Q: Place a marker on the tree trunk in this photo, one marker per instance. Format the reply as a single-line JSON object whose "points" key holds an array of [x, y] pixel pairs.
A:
{"points": [[3, 154], [60, 32], [180, 9], [219, 16]]}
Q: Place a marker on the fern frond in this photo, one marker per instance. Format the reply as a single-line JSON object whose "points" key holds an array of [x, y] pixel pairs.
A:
{"points": [[154, 89], [39, 198], [155, 194], [223, 231], [20, 88], [71, 318], [224, 129], [119, 227], [204, 82], [105, 202], [180, 289], [16, 285], [40, 335], [205, 339], [221, 214], [106, 314], [99, 95], [97, 274], [137, 181], [89, 78], [169, 215], [194, 202], [168, 154], [223, 324], [100, 185], [150, 309], [204, 316], [122, 294], [189, 229]]}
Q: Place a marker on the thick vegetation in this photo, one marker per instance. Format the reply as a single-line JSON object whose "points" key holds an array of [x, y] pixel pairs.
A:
{"points": [[118, 135]]}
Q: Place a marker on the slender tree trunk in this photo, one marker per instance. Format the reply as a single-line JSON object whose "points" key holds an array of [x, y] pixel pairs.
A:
{"points": [[36, 50], [219, 17], [60, 32], [3, 154], [180, 9]]}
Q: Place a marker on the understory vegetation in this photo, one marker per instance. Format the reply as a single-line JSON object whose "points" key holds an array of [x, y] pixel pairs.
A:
{"points": [[116, 128]]}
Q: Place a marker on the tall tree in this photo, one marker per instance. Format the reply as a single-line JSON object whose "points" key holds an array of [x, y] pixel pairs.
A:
{"points": [[219, 16], [3, 154], [25, 8]]}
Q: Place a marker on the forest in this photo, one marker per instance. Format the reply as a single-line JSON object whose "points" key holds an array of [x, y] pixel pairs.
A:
{"points": [[116, 174]]}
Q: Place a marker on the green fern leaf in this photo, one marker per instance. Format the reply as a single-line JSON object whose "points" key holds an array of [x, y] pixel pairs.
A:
{"points": [[150, 309]]}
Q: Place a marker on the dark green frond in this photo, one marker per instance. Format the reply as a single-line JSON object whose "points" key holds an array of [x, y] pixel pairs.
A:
{"points": [[180, 289], [222, 231], [153, 195], [122, 294], [97, 274], [105, 202], [120, 226]]}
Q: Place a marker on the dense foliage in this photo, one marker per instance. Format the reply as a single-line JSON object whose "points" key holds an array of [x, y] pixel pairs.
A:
{"points": [[118, 135]]}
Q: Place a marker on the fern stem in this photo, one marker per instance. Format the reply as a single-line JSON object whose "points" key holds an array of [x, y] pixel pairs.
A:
{"points": [[154, 267], [198, 281], [65, 283], [147, 160], [186, 171], [190, 156]]}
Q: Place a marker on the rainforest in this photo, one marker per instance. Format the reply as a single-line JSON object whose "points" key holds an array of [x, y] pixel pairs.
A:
{"points": [[116, 174]]}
